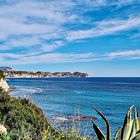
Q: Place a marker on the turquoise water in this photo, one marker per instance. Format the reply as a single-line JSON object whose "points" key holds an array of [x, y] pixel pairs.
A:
{"points": [[61, 97]]}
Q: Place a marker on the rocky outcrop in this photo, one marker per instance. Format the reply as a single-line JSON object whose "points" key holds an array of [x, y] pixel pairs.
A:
{"points": [[4, 85]]}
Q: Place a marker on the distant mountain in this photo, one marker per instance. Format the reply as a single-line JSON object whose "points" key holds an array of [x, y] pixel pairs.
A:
{"points": [[10, 72], [6, 69]]}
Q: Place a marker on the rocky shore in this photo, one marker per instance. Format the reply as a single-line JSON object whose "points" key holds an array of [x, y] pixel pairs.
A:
{"points": [[3, 83]]}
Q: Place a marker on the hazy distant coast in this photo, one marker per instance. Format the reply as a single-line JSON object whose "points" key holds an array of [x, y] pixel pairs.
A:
{"points": [[11, 73]]}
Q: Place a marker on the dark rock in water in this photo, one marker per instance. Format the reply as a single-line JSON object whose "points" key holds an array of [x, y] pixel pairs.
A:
{"points": [[80, 117], [12, 88], [72, 118]]}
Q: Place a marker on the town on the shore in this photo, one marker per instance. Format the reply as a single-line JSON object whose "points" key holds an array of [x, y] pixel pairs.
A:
{"points": [[11, 73]]}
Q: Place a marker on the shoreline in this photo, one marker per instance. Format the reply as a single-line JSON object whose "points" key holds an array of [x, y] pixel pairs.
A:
{"points": [[44, 77]]}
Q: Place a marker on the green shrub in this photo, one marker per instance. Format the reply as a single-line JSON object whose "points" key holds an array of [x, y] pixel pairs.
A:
{"points": [[5, 137], [25, 121], [22, 118]]}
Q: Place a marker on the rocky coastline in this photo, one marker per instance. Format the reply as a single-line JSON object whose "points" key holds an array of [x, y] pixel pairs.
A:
{"points": [[24, 120], [11, 73]]}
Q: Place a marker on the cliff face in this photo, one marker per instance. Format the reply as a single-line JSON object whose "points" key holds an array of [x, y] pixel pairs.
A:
{"points": [[4, 85]]}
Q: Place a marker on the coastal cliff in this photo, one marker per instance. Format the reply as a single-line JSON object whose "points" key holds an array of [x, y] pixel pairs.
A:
{"points": [[21, 119], [3, 83]]}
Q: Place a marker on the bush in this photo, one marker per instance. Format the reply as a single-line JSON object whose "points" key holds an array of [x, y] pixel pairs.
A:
{"points": [[22, 118], [25, 121]]}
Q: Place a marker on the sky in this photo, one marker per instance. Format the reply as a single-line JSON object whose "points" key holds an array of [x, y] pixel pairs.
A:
{"points": [[100, 37]]}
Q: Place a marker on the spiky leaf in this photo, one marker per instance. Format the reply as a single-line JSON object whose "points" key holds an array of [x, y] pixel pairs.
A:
{"points": [[127, 126], [117, 136], [98, 132], [137, 137], [106, 123]]}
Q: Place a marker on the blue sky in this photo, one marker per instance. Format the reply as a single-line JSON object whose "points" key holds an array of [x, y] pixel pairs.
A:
{"points": [[101, 37]]}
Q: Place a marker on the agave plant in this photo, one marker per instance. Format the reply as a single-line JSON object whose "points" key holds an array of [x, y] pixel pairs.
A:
{"points": [[130, 129]]}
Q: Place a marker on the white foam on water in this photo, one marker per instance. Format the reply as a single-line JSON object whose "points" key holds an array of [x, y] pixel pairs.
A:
{"points": [[25, 90]]}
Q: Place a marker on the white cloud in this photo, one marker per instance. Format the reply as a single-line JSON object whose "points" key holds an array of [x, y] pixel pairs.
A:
{"points": [[106, 27], [45, 58], [33, 21], [17, 59], [51, 47], [48, 17], [30, 46], [23, 42], [129, 54], [105, 3], [10, 27], [38, 27]]}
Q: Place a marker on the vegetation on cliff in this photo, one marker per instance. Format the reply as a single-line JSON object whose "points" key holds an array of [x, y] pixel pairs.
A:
{"points": [[2, 76], [23, 120]]}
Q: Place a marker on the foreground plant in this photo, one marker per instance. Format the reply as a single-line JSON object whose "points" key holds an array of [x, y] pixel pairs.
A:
{"points": [[130, 129]]}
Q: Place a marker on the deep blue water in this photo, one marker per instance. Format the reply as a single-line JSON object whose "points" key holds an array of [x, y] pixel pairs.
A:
{"points": [[65, 96]]}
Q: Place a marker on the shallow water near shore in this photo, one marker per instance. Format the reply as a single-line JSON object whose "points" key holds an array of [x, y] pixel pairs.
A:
{"points": [[62, 99]]}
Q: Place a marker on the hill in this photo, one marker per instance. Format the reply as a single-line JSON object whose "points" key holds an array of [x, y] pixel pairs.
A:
{"points": [[10, 72]]}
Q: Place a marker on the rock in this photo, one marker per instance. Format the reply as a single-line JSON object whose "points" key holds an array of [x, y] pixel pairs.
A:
{"points": [[3, 130], [4, 85], [71, 118]]}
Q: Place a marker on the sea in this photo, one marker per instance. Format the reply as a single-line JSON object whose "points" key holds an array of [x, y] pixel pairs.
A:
{"points": [[69, 102]]}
